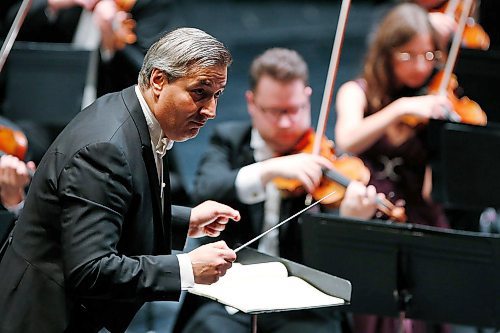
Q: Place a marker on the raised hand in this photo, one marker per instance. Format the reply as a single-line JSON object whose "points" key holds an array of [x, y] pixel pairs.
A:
{"points": [[210, 218], [444, 24]]}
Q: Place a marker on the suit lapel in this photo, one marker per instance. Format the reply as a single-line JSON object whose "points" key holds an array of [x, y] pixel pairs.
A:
{"points": [[161, 240]]}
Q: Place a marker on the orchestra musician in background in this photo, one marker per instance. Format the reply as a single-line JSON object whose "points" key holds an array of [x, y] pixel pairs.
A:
{"points": [[57, 21], [52, 21], [371, 113]]}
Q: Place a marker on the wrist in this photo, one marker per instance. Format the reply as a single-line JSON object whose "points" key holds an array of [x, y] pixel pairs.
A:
{"points": [[397, 108], [51, 12], [11, 198], [267, 173]]}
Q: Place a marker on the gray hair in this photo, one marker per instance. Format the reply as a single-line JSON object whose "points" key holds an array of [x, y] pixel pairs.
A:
{"points": [[181, 52]]}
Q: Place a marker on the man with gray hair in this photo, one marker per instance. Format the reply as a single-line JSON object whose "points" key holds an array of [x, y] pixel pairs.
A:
{"points": [[93, 242]]}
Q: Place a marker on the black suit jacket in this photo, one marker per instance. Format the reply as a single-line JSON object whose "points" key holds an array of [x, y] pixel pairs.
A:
{"points": [[90, 245], [229, 150]]}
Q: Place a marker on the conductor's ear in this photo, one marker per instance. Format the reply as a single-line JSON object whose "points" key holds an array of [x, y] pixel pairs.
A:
{"points": [[157, 80]]}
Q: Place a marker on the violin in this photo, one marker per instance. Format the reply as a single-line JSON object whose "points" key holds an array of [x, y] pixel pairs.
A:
{"points": [[464, 110], [13, 142], [125, 5], [469, 111], [345, 169], [445, 83], [474, 36]]}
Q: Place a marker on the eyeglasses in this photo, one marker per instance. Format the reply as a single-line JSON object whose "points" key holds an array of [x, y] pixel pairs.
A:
{"points": [[428, 56], [276, 114]]}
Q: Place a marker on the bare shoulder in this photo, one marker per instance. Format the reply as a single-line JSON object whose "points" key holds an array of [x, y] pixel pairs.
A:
{"points": [[351, 88]]}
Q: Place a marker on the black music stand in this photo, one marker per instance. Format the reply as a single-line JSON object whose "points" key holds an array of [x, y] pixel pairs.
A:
{"points": [[326, 283], [465, 164], [478, 74], [45, 82], [422, 272]]}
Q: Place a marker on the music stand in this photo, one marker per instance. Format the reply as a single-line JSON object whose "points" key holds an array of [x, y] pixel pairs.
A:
{"points": [[465, 168], [45, 82], [478, 73], [423, 272], [324, 282]]}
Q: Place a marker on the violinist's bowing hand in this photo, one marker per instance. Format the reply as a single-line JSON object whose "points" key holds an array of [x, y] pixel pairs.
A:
{"points": [[211, 261], [306, 168], [210, 218], [360, 201], [116, 26], [445, 25], [14, 177], [427, 107]]}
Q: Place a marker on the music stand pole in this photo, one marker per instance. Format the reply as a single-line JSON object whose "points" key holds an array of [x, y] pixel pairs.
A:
{"points": [[403, 299], [254, 323]]}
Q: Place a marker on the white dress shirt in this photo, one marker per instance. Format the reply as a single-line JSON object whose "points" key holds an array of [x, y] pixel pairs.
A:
{"points": [[250, 190], [160, 145]]}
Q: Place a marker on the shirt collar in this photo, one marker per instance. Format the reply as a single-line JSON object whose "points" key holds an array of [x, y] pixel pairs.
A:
{"points": [[158, 139], [261, 149]]}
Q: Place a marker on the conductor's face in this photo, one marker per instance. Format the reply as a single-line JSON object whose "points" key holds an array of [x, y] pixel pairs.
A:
{"points": [[184, 105]]}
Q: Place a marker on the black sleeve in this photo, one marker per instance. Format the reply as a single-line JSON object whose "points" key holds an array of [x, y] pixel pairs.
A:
{"points": [[95, 190], [216, 176]]}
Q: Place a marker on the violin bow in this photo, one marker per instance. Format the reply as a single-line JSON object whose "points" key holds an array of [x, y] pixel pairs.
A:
{"points": [[332, 73], [451, 8], [455, 47], [14, 30], [385, 204]]}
